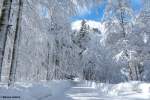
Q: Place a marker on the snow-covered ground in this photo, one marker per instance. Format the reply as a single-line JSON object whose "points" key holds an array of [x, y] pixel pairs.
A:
{"points": [[75, 90], [33, 91]]}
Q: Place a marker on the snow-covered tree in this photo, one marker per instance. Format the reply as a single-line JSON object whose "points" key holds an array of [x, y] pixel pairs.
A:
{"points": [[81, 39], [142, 33], [120, 36]]}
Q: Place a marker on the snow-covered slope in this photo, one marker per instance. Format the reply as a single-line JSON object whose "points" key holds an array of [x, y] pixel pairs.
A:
{"points": [[76, 25]]}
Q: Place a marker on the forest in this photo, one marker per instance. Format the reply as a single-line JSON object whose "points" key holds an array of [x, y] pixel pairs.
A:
{"points": [[89, 41]]}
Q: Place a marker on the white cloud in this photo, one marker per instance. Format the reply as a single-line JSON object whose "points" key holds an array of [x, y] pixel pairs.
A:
{"points": [[76, 25]]}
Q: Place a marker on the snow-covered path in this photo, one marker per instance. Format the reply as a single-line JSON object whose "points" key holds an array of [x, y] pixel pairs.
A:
{"points": [[81, 92]]}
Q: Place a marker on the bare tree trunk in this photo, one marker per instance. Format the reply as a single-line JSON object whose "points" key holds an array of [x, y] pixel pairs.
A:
{"points": [[135, 73], [11, 41], [4, 28], [130, 72], [48, 63], [15, 46]]}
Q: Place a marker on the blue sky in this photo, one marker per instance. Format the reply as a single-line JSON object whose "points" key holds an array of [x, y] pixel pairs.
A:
{"points": [[96, 13], [136, 5]]}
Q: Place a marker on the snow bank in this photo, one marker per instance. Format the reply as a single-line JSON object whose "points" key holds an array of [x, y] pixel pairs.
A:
{"points": [[130, 87], [33, 91], [133, 88], [122, 89]]}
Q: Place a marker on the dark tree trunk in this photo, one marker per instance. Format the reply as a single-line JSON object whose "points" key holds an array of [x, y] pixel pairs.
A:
{"points": [[10, 25], [15, 46], [4, 28]]}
